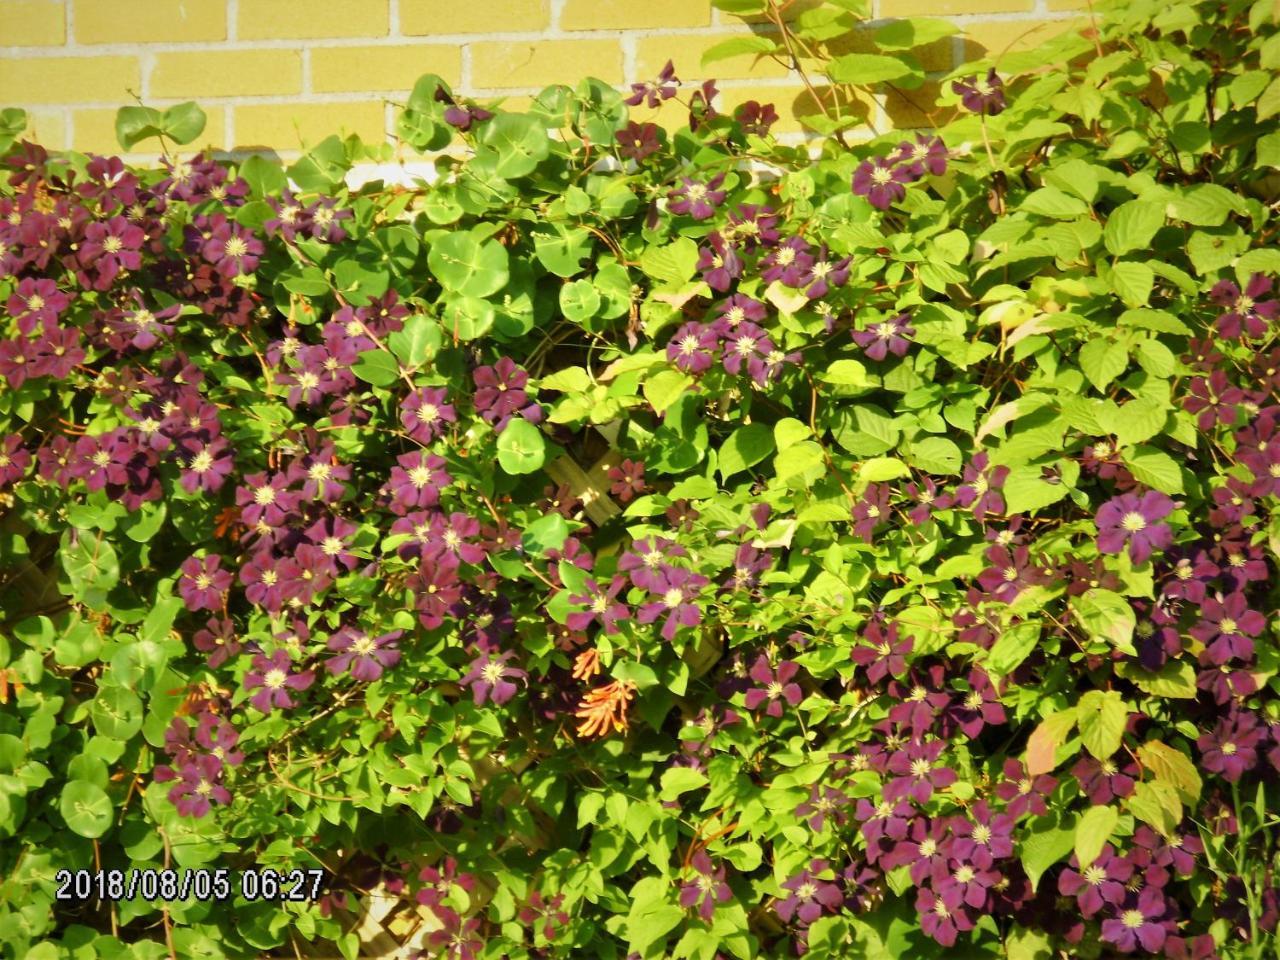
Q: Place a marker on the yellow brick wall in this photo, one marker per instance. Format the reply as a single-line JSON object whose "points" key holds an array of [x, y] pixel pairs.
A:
{"points": [[283, 73]]}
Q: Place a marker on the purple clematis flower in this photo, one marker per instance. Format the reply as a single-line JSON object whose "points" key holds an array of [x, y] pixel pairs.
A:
{"points": [[940, 921], [417, 481], [981, 94], [983, 837], [366, 657], [492, 678], [871, 511], [881, 181], [204, 584], [1135, 520], [809, 896], [602, 605], [655, 91], [917, 773], [425, 413], [1245, 311], [273, 678], [823, 802], [199, 787], [884, 654], [1138, 923], [1231, 749], [1102, 781], [677, 593], [1227, 627], [706, 888], [693, 347], [1101, 883], [1024, 794], [888, 336], [773, 686], [698, 200]]}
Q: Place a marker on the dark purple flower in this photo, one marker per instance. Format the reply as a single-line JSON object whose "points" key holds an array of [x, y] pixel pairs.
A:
{"points": [[752, 226], [736, 309], [823, 802], [983, 837], [788, 263], [888, 336], [364, 656], [417, 480], [492, 678], [1024, 794], [978, 708], [425, 413], [750, 345], [871, 511], [231, 248], [500, 394], [697, 199], [927, 154], [219, 738], [981, 94], [273, 678], [1158, 855], [655, 91], [54, 354], [1244, 312], [916, 773], [218, 640], [882, 821], [880, 181], [1101, 883], [548, 911], [706, 888], [677, 592], [940, 921], [636, 141], [204, 584], [748, 564], [823, 274], [645, 560], [1214, 398], [756, 119], [1133, 519], [1102, 781], [1137, 923], [809, 895], [719, 263], [1231, 749], [980, 487], [198, 787], [1227, 627], [15, 460], [693, 347], [627, 479], [773, 686], [603, 606], [962, 884], [37, 302]]}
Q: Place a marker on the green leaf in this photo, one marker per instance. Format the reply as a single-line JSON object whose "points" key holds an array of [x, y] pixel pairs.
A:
{"points": [[671, 264], [91, 566], [1140, 419], [467, 318], [1093, 831], [1050, 734], [845, 373], [1132, 225], [651, 916], [416, 343], [1175, 680], [1158, 804], [665, 387], [1042, 847], [1102, 361], [744, 448], [376, 367], [1025, 490], [544, 534], [1205, 205], [1014, 644], [183, 122], [1132, 282], [579, 300], [1154, 468], [878, 469], [1172, 767], [116, 713], [518, 140], [1050, 202], [466, 265], [739, 46], [1268, 149], [86, 808], [936, 455], [916, 32], [1101, 719], [866, 69], [678, 780], [521, 447], [799, 464], [1106, 616], [135, 124]]}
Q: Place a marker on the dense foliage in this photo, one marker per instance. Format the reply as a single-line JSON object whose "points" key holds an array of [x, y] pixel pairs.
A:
{"points": [[633, 544]]}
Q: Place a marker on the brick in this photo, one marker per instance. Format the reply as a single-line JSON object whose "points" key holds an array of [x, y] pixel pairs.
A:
{"points": [[284, 125], [422, 17], [227, 73], [95, 130], [1057, 5], [909, 109], [149, 21], [945, 8], [69, 80], [295, 19], [355, 69], [935, 56], [996, 37], [685, 52], [629, 15], [48, 128], [33, 23], [521, 63], [794, 9]]}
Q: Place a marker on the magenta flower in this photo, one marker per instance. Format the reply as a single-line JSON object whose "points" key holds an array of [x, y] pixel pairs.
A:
{"points": [[55, 353], [1101, 883], [603, 606], [1214, 398], [756, 119], [706, 888], [884, 654], [1133, 519], [500, 394], [773, 686], [425, 413], [980, 487], [749, 345], [809, 895], [693, 347], [1138, 923], [1102, 781], [218, 640], [823, 802], [1245, 311], [788, 263], [15, 460], [37, 302], [110, 247], [232, 249], [273, 678], [983, 837], [940, 921], [927, 154], [646, 559], [888, 336], [677, 593], [1024, 794], [981, 94], [719, 263], [917, 773], [1231, 749], [366, 657], [204, 584], [734, 310], [880, 181], [627, 479], [655, 91], [698, 200], [417, 481], [199, 786], [219, 738], [492, 678], [871, 511], [1227, 628], [636, 141]]}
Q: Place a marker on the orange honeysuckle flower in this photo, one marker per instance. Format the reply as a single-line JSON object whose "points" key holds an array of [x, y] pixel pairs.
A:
{"points": [[587, 664], [605, 707]]}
